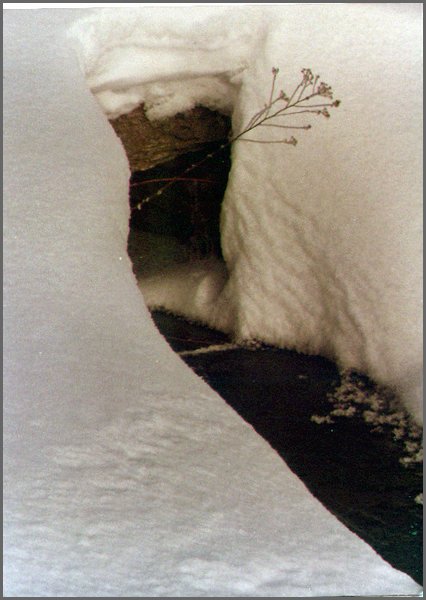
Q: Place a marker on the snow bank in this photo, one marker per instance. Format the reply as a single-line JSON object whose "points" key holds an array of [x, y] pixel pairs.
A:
{"points": [[323, 241], [125, 474], [170, 59]]}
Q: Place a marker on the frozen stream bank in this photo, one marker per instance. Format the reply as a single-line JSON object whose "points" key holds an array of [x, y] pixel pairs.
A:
{"points": [[125, 474]]}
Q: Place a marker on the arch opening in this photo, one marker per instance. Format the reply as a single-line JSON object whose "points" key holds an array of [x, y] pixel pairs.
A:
{"points": [[179, 172]]}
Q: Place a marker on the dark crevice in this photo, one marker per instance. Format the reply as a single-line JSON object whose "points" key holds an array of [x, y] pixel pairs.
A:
{"points": [[184, 205]]}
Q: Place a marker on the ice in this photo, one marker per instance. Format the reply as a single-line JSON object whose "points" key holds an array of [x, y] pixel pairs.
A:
{"points": [[125, 474], [322, 242]]}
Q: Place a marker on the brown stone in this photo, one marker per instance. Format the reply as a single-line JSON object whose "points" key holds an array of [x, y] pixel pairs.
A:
{"points": [[148, 143]]}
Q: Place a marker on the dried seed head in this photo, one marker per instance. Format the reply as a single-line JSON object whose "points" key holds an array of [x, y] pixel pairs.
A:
{"points": [[325, 90], [308, 76]]}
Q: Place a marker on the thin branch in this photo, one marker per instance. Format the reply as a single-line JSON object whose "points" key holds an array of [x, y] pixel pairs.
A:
{"points": [[197, 179], [255, 118], [285, 126], [291, 141], [299, 112], [275, 71], [302, 91], [293, 95], [326, 104]]}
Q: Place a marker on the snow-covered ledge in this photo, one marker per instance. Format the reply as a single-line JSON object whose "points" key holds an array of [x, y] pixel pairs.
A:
{"points": [[125, 475], [322, 242]]}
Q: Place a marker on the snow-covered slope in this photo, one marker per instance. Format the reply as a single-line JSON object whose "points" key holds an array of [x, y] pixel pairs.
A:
{"points": [[125, 475], [322, 242]]}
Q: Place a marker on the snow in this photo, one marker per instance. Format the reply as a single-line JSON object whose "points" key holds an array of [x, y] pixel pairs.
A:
{"points": [[322, 242], [379, 410], [125, 474], [135, 59]]}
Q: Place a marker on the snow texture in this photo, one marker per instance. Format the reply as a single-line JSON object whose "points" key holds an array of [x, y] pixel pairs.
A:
{"points": [[322, 242], [125, 474]]}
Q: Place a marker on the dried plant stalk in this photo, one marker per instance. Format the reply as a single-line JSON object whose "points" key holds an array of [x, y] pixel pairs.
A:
{"points": [[279, 106]]}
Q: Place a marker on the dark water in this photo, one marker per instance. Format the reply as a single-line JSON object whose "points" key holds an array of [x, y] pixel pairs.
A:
{"points": [[353, 471]]}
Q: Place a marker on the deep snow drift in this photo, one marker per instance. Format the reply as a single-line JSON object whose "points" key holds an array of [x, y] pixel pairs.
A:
{"points": [[322, 242], [125, 474]]}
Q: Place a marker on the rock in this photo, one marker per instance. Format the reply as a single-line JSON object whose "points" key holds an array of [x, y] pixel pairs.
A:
{"points": [[149, 143]]}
